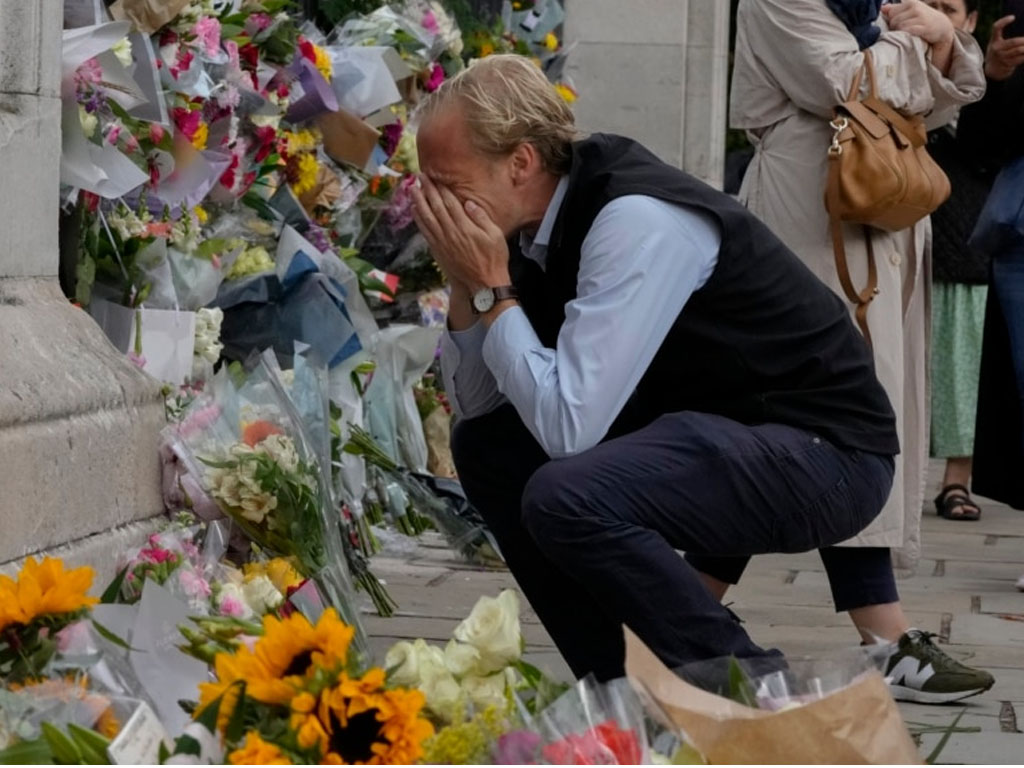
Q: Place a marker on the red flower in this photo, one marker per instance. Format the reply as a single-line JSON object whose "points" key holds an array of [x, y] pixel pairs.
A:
{"points": [[249, 56], [307, 50], [187, 121], [258, 431], [265, 138], [228, 177], [603, 744], [90, 201]]}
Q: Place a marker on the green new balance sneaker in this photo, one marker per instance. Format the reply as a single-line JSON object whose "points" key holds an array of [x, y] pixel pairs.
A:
{"points": [[918, 670]]}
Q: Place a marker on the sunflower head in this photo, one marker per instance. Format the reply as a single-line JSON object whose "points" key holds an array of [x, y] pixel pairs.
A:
{"points": [[44, 589], [368, 725]]}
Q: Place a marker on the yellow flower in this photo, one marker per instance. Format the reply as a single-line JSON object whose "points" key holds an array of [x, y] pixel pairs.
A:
{"points": [[289, 651], [304, 173], [279, 570], [108, 724], [200, 136], [486, 49], [300, 141], [309, 731], [44, 588], [367, 725], [566, 92], [256, 751], [551, 41], [201, 214], [323, 61]]}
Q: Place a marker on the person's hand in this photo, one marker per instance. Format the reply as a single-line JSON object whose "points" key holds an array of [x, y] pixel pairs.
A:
{"points": [[1004, 55], [921, 20], [467, 245]]}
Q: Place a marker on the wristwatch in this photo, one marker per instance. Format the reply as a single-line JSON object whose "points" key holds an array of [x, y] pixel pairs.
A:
{"points": [[485, 299]]}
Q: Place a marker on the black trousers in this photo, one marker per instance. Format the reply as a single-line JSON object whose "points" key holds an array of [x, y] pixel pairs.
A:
{"points": [[592, 540]]}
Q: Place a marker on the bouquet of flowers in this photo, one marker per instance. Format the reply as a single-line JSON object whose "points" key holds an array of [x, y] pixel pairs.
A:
{"points": [[244, 439], [300, 696]]}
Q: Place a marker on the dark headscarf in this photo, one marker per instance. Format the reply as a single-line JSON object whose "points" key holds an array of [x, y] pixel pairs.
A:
{"points": [[858, 16]]}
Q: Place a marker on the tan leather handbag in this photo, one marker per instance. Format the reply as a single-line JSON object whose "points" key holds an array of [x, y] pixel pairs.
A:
{"points": [[879, 175]]}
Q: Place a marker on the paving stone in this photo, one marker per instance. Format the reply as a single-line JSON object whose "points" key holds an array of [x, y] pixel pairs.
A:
{"points": [[1009, 602], [988, 748], [1007, 573], [976, 629]]}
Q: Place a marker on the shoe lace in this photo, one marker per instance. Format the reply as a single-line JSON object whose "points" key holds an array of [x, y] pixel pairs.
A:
{"points": [[929, 652]]}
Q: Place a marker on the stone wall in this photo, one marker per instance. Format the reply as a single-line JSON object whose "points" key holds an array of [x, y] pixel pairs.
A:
{"points": [[654, 70], [79, 423]]}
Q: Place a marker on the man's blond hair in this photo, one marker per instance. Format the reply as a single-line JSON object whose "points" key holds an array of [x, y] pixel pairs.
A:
{"points": [[507, 101]]}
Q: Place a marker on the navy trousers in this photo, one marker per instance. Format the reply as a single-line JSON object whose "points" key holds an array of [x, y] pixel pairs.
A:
{"points": [[592, 540]]}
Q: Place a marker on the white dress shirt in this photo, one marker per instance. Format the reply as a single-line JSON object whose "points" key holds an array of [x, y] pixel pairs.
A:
{"points": [[640, 262]]}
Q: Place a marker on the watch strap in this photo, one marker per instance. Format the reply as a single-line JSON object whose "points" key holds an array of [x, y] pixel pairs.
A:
{"points": [[505, 292]]}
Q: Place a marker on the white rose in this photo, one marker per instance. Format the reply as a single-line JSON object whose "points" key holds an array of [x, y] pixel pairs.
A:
{"points": [[122, 49], [493, 629], [443, 695], [487, 692], [231, 601], [261, 595], [412, 664], [402, 664], [461, 659]]}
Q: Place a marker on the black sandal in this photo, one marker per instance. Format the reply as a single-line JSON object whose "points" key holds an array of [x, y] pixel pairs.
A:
{"points": [[947, 502]]}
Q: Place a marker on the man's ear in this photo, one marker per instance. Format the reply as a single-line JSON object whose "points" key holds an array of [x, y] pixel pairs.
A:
{"points": [[525, 162], [972, 22]]}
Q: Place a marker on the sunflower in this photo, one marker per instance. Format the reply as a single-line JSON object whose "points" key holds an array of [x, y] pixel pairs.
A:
{"points": [[256, 751], [367, 725], [289, 650], [44, 588]]}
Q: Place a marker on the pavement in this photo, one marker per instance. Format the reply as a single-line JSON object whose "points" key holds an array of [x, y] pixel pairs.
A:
{"points": [[963, 591]]}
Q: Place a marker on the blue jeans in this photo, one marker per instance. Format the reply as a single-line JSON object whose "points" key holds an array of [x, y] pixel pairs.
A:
{"points": [[1008, 284], [592, 540]]}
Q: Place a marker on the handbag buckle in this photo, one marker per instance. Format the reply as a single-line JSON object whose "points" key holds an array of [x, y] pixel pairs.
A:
{"points": [[838, 125]]}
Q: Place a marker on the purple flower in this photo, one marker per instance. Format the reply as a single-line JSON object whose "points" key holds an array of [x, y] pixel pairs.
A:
{"points": [[516, 748]]}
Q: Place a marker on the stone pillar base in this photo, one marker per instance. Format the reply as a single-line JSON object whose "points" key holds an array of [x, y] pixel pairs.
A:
{"points": [[79, 426]]}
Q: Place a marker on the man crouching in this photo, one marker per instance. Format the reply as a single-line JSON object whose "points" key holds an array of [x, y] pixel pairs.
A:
{"points": [[648, 370]]}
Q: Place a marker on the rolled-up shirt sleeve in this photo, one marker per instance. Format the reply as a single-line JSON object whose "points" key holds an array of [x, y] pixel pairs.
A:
{"points": [[468, 382]]}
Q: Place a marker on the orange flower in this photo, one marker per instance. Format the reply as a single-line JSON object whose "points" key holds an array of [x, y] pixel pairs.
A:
{"points": [[44, 589], [368, 725], [255, 432], [256, 751]]}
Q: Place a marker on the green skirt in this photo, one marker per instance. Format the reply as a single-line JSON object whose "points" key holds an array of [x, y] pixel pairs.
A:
{"points": [[958, 321]]}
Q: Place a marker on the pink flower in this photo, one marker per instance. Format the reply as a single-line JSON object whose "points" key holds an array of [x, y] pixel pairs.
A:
{"points": [[139, 360], [215, 260], [73, 637], [435, 79], [207, 32], [193, 584], [156, 554], [156, 133], [187, 120], [131, 144], [158, 229], [89, 73], [429, 22], [232, 606], [257, 22], [113, 133], [234, 62]]}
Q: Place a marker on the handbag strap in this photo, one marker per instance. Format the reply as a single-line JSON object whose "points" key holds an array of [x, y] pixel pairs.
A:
{"points": [[863, 298], [869, 67]]}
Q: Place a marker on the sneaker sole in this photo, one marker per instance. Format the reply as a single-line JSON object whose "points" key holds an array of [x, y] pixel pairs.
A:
{"points": [[902, 693]]}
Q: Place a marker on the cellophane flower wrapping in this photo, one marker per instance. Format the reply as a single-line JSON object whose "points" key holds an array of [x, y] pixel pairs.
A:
{"points": [[591, 724], [246, 441]]}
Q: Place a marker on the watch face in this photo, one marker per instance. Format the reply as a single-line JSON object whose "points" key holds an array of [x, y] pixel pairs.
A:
{"points": [[483, 300]]}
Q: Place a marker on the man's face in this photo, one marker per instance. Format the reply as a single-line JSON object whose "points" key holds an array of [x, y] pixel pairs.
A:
{"points": [[956, 10], [448, 159]]}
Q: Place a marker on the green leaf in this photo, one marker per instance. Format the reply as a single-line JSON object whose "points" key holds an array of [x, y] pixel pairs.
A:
{"points": [[35, 752], [64, 749], [113, 592], [944, 740], [92, 745], [186, 745], [740, 689], [108, 635], [163, 753], [236, 725], [228, 31]]}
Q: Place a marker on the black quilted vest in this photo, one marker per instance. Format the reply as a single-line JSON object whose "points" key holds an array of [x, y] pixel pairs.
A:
{"points": [[762, 341]]}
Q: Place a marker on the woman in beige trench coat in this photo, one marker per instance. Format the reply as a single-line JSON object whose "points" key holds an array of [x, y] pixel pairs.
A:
{"points": [[795, 61]]}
